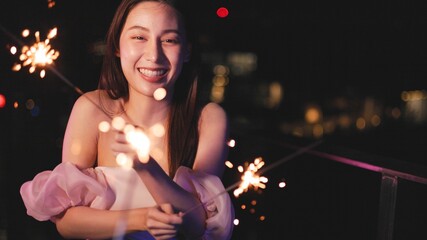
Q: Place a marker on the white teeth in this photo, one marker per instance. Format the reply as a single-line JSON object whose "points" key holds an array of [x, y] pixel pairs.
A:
{"points": [[151, 73]]}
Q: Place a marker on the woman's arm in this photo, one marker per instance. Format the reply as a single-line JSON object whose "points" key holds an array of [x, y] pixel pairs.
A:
{"points": [[81, 135], [85, 222]]}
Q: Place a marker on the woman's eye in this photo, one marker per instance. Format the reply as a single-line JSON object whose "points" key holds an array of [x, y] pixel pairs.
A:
{"points": [[172, 41], [138, 38]]}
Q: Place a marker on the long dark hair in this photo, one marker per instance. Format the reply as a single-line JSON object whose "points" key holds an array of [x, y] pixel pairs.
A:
{"points": [[185, 111]]}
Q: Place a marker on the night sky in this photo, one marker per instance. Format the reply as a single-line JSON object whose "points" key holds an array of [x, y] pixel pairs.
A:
{"points": [[321, 53]]}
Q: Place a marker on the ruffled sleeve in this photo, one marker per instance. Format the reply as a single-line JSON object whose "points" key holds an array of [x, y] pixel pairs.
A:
{"points": [[53, 191], [217, 202]]}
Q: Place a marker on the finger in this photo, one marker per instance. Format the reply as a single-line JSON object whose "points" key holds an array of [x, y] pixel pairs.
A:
{"points": [[167, 218], [163, 233], [120, 137], [167, 208]]}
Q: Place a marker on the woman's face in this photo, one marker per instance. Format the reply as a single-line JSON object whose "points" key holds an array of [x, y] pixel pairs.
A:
{"points": [[153, 47]]}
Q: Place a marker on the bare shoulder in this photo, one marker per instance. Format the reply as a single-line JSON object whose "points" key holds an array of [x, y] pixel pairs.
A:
{"points": [[213, 115], [96, 104], [213, 110]]}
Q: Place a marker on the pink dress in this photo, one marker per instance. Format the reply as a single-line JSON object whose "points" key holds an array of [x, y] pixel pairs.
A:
{"points": [[53, 191]]}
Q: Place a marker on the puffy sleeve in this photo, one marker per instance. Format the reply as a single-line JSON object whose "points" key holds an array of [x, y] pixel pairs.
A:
{"points": [[216, 201], [51, 192]]}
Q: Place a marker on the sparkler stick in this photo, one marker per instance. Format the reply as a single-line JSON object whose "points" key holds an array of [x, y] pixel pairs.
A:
{"points": [[275, 164]]}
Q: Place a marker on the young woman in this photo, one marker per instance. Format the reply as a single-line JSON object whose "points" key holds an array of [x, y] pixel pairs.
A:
{"points": [[169, 196]]}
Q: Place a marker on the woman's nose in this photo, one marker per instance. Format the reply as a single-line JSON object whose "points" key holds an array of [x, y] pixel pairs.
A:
{"points": [[153, 51]]}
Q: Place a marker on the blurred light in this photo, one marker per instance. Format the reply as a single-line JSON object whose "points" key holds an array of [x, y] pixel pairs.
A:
{"points": [[275, 95], [416, 105], [159, 94], [25, 33], [282, 184], [220, 81], [253, 202], [118, 123], [243, 206], [2, 101], [16, 67], [140, 142], [104, 126], [312, 114], [222, 12], [415, 95], [262, 218], [29, 104], [50, 3], [375, 120], [13, 50], [236, 222], [228, 164], [221, 70], [123, 161], [395, 113], [242, 63], [217, 94], [344, 121], [360, 123], [298, 132], [329, 126], [317, 130], [15, 105], [231, 143]]}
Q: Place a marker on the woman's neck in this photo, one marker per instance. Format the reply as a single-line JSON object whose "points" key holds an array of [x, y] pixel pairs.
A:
{"points": [[145, 111]]}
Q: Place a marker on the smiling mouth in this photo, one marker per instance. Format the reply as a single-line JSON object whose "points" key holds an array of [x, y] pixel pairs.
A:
{"points": [[152, 73]]}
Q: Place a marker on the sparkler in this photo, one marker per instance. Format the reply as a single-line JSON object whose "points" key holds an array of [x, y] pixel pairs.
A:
{"points": [[250, 178], [38, 55]]}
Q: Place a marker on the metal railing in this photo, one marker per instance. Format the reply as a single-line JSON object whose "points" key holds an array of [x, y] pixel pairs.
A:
{"points": [[391, 171]]}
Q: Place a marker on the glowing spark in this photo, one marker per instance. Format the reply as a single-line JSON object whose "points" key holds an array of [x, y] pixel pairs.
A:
{"points": [[25, 33], [236, 222], [229, 164], [250, 178], [118, 123], [123, 161], [139, 140], [231, 143], [39, 55], [104, 126], [50, 3], [159, 94], [13, 50]]}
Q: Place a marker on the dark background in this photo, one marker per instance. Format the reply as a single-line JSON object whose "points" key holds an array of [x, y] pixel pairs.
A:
{"points": [[337, 55]]}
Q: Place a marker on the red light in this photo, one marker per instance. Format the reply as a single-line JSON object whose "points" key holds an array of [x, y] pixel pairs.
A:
{"points": [[2, 101], [222, 12]]}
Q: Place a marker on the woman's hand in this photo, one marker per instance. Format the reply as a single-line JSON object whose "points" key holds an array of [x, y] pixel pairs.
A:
{"points": [[162, 222], [132, 143]]}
